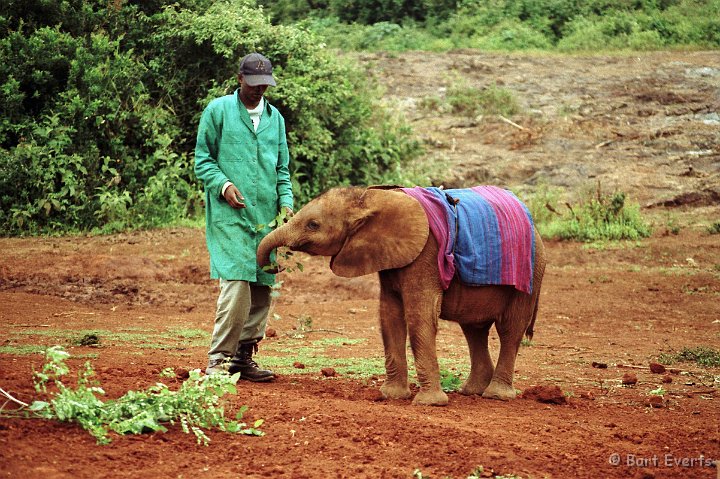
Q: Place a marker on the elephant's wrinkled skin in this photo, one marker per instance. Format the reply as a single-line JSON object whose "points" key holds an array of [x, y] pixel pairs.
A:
{"points": [[381, 230]]}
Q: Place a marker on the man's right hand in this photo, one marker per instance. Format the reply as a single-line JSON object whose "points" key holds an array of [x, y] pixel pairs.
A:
{"points": [[234, 197]]}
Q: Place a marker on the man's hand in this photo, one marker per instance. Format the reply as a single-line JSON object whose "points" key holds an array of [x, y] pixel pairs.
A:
{"points": [[234, 197], [288, 213]]}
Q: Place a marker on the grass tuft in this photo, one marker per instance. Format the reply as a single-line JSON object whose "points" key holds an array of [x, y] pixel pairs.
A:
{"points": [[700, 355], [595, 217]]}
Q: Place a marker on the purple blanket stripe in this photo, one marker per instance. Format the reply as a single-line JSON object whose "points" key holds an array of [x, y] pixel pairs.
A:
{"points": [[516, 236], [435, 209], [488, 238]]}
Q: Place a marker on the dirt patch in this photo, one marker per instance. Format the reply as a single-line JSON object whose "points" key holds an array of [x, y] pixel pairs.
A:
{"points": [[604, 313], [634, 123]]}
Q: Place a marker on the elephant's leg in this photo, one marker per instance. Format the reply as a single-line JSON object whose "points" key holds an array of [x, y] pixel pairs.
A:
{"points": [[422, 326], [511, 330], [394, 335], [481, 366]]}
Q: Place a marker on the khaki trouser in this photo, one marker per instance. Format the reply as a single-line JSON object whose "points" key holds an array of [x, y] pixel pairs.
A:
{"points": [[241, 316]]}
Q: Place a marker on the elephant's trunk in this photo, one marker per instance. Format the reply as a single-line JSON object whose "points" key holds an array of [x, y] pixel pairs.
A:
{"points": [[272, 241]]}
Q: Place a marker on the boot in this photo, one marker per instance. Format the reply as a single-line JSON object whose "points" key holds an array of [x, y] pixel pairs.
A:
{"points": [[243, 362]]}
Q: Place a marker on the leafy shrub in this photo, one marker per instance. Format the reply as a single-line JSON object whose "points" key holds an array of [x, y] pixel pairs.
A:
{"points": [[102, 113], [596, 217], [450, 381], [511, 35], [361, 11], [491, 100], [510, 25], [714, 228], [196, 406], [542, 205]]}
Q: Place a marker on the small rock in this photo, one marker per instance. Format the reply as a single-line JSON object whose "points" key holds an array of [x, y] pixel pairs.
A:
{"points": [[587, 395], [599, 365], [629, 379], [675, 371], [657, 368], [374, 395], [298, 365], [270, 333], [644, 474], [182, 373], [667, 379], [328, 372], [545, 394], [655, 401]]}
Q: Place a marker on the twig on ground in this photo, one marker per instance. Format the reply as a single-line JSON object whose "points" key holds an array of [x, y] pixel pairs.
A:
{"points": [[314, 331], [510, 122], [13, 399], [705, 391], [630, 366]]}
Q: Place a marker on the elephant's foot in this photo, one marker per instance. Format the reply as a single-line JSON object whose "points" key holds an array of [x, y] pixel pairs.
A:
{"points": [[431, 398], [395, 391], [472, 387], [499, 390]]}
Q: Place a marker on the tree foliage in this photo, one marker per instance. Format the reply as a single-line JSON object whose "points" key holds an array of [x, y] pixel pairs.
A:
{"points": [[568, 25], [101, 101]]}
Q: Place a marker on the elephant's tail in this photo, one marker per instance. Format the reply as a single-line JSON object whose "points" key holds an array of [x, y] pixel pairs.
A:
{"points": [[531, 327]]}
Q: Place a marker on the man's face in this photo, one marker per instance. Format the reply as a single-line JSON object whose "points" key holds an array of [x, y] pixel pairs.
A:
{"points": [[250, 95]]}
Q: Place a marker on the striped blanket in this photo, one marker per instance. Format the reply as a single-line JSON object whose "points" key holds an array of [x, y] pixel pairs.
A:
{"points": [[485, 234]]}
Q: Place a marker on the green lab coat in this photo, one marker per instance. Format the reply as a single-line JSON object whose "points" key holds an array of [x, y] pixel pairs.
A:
{"points": [[229, 149]]}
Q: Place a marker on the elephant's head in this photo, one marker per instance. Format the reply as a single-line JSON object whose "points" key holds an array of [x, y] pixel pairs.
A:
{"points": [[363, 230]]}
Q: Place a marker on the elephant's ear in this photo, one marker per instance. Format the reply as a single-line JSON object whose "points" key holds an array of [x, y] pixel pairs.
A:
{"points": [[389, 231]]}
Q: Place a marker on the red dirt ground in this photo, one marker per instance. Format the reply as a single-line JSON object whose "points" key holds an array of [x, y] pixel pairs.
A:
{"points": [[621, 306]]}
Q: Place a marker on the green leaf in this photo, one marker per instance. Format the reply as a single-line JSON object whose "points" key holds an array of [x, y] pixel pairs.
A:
{"points": [[39, 406]]}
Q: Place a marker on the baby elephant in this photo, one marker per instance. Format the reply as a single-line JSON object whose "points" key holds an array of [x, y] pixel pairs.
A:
{"points": [[471, 256]]}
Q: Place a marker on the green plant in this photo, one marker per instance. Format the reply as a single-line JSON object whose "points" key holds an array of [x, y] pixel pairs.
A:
{"points": [[196, 406], [512, 35], [672, 226], [714, 228], [505, 24], [597, 217], [101, 106], [658, 392], [491, 100], [543, 204], [701, 355], [450, 381], [480, 471]]}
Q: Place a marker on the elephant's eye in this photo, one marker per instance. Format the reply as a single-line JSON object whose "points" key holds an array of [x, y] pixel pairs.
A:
{"points": [[313, 225]]}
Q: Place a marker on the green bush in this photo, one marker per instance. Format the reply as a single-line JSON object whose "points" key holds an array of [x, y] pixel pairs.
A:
{"points": [[512, 35], [596, 217], [366, 12], [510, 25], [196, 406], [101, 109], [491, 100]]}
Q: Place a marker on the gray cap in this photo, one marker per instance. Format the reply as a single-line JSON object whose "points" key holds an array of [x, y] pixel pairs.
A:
{"points": [[257, 70]]}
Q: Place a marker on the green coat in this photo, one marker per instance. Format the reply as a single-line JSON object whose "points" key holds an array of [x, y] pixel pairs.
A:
{"points": [[229, 149]]}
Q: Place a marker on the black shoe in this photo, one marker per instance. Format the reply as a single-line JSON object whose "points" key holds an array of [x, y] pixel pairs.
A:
{"points": [[249, 370]]}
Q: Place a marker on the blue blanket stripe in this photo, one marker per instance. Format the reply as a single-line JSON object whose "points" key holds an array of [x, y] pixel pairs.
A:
{"points": [[478, 237]]}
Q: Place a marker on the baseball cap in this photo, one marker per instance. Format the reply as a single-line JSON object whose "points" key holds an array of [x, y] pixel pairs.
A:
{"points": [[257, 70]]}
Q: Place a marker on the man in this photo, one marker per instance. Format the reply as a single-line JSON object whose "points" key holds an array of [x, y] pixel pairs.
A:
{"points": [[241, 156]]}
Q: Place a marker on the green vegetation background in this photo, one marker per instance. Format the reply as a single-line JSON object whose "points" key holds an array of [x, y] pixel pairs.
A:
{"points": [[100, 99]]}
